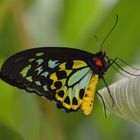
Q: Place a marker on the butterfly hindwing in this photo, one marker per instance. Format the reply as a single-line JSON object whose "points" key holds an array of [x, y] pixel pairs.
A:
{"points": [[71, 88]]}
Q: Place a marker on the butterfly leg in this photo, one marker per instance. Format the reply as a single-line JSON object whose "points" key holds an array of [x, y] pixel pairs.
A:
{"points": [[104, 106], [108, 90]]}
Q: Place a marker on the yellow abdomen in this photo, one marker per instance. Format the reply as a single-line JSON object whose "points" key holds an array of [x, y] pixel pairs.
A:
{"points": [[88, 100]]}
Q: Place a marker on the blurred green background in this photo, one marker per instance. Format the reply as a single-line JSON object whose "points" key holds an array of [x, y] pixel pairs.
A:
{"points": [[34, 23]]}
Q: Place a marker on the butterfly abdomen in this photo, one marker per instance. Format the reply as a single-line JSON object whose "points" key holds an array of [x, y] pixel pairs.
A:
{"points": [[88, 100]]}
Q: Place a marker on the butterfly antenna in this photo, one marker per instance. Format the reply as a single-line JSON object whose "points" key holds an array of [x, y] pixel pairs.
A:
{"points": [[109, 32], [97, 40], [126, 70], [103, 103], [108, 90]]}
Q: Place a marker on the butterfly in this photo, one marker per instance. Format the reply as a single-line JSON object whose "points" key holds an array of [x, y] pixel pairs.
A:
{"points": [[66, 76]]}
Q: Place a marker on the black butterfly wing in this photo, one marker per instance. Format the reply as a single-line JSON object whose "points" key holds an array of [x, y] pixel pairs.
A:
{"points": [[59, 74]]}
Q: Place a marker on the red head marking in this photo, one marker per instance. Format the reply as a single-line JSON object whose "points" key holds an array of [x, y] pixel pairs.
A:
{"points": [[99, 63]]}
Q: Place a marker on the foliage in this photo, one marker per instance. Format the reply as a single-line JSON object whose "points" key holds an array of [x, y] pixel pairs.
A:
{"points": [[25, 24]]}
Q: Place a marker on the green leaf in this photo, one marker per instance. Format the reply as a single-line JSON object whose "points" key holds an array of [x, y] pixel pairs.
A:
{"points": [[7, 133], [125, 93]]}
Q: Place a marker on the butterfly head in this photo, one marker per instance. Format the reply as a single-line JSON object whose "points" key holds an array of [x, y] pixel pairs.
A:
{"points": [[101, 63]]}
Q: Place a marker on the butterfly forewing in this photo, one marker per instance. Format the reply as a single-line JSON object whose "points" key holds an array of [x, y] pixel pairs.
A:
{"points": [[60, 74]]}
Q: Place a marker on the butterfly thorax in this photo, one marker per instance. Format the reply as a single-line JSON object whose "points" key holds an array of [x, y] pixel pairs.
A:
{"points": [[100, 63]]}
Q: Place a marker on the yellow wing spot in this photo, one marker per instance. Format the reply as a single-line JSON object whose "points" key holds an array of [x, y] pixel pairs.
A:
{"points": [[88, 100], [53, 77], [68, 71], [79, 64], [67, 104], [64, 95], [61, 94], [59, 98], [62, 66], [75, 107]]}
